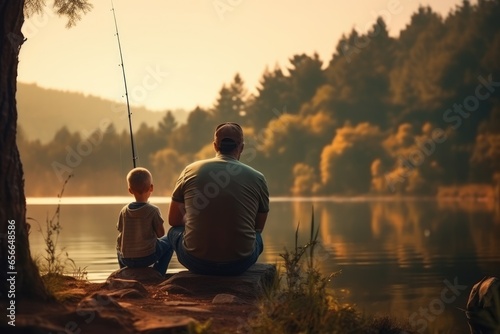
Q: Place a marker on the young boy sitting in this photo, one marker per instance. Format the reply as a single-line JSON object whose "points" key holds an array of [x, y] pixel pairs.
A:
{"points": [[142, 240]]}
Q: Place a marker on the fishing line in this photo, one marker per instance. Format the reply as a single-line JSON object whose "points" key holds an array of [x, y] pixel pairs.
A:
{"points": [[134, 156]]}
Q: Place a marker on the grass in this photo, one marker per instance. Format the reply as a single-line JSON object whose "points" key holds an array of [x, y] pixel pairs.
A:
{"points": [[54, 264], [302, 302]]}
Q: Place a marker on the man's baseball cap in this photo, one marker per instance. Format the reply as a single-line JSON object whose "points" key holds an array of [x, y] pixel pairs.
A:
{"points": [[228, 132]]}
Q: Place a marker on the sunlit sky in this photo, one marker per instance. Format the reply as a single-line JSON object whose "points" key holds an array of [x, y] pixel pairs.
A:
{"points": [[178, 54]]}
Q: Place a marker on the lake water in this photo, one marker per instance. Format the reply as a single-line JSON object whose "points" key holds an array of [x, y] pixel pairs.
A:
{"points": [[415, 259]]}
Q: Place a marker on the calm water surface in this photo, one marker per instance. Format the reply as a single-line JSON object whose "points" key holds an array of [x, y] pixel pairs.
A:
{"points": [[414, 259]]}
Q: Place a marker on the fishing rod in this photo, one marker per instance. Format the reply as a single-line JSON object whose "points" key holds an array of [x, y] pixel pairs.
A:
{"points": [[134, 157]]}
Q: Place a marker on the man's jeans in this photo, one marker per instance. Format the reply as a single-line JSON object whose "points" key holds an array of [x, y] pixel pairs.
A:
{"points": [[160, 258], [203, 267]]}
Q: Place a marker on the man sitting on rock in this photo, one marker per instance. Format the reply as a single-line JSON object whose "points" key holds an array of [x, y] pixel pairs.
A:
{"points": [[219, 208]]}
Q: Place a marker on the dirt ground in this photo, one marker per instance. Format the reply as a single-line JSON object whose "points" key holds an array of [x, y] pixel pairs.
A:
{"points": [[129, 314]]}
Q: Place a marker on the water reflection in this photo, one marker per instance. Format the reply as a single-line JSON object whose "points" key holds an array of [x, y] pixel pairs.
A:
{"points": [[396, 257]]}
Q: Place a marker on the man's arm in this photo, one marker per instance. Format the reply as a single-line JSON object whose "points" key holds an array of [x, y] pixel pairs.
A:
{"points": [[176, 213], [260, 221]]}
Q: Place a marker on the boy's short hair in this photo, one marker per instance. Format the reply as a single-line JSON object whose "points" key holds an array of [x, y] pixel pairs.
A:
{"points": [[139, 180]]}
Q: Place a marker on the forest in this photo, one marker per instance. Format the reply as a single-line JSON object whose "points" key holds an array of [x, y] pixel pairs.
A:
{"points": [[405, 115]]}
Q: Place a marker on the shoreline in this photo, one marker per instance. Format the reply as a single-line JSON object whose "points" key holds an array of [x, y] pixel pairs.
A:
{"points": [[121, 200]]}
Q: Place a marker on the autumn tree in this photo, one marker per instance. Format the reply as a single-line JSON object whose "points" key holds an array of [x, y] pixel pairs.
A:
{"points": [[167, 165], [414, 83], [305, 180], [413, 165], [305, 76], [146, 143], [485, 157], [197, 132], [291, 139], [269, 101], [230, 106], [346, 163], [166, 126], [358, 76]]}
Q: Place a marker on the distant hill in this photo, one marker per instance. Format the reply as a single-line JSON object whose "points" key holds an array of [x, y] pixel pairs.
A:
{"points": [[44, 111]]}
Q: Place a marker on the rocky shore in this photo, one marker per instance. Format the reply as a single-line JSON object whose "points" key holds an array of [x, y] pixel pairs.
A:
{"points": [[141, 301]]}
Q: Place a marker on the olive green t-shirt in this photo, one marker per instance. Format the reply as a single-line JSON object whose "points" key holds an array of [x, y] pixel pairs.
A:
{"points": [[222, 197]]}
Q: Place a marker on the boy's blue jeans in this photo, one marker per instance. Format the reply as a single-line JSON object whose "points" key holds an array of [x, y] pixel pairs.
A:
{"points": [[203, 267], [160, 258]]}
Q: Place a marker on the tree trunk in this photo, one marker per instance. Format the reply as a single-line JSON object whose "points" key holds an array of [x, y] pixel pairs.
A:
{"points": [[24, 273]]}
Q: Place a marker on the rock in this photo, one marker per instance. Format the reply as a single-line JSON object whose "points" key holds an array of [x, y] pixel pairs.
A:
{"points": [[249, 285], [180, 303], [224, 298], [74, 294], [104, 309], [193, 309], [118, 284], [126, 304], [123, 320], [164, 324], [100, 313], [174, 289], [144, 275], [79, 321], [125, 288], [483, 306], [127, 293], [99, 301]]}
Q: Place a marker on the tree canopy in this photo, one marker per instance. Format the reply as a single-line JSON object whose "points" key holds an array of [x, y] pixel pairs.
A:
{"points": [[385, 114]]}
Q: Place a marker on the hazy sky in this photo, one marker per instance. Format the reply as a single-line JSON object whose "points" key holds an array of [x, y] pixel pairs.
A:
{"points": [[178, 54]]}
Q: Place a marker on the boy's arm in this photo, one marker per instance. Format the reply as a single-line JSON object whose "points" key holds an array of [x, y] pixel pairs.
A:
{"points": [[119, 224], [176, 213], [160, 231], [158, 224]]}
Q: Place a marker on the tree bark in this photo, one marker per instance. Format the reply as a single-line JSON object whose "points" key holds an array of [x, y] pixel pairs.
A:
{"points": [[13, 226]]}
